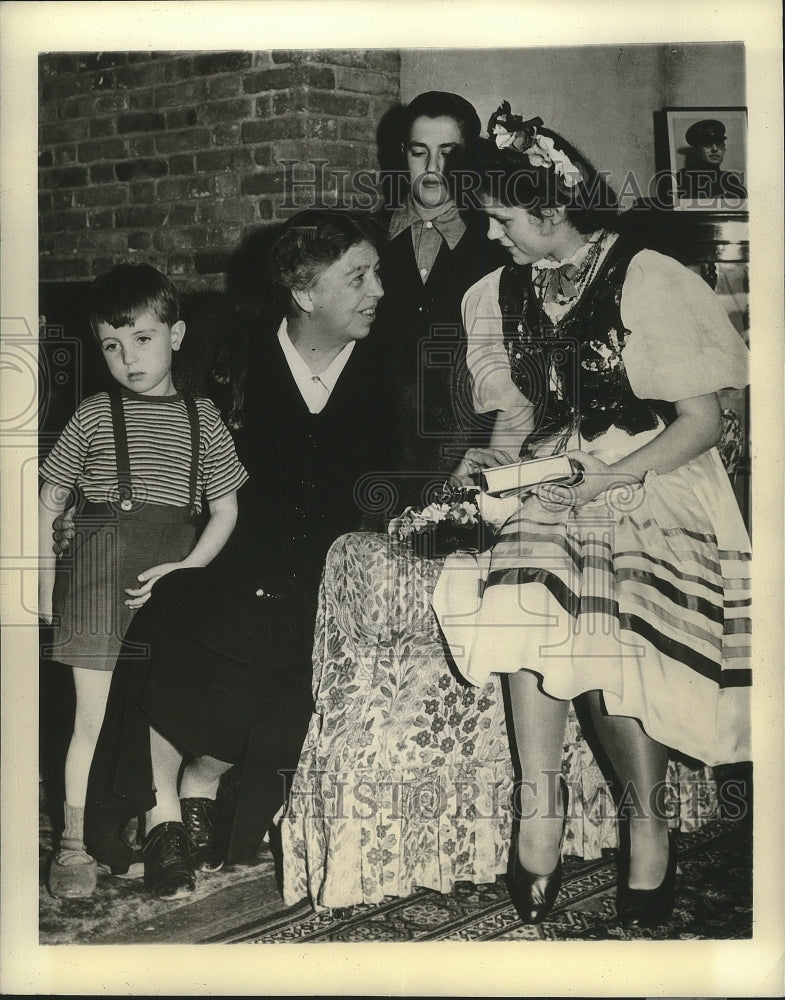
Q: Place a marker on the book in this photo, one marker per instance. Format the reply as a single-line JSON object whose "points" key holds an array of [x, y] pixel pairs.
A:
{"points": [[505, 480]]}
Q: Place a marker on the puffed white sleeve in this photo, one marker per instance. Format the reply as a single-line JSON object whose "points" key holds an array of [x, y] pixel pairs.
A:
{"points": [[486, 357], [681, 342]]}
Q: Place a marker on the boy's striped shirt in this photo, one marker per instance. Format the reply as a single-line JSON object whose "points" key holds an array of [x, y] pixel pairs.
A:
{"points": [[159, 448]]}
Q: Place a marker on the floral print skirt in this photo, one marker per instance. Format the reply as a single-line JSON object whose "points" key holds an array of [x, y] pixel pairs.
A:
{"points": [[405, 778]]}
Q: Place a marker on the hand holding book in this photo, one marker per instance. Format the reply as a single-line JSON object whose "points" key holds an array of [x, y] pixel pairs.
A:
{"points": [[466, 518], [595, 478], [571, 478], [475, 461], [524, 477]]}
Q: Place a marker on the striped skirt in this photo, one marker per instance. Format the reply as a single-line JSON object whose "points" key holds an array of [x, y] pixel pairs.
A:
{"points": [[643, 593]]}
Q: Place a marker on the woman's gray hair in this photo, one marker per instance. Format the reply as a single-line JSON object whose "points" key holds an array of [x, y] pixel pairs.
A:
{"points": [[313, 240]]}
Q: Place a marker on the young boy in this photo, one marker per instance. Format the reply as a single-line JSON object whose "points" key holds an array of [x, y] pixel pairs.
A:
{"points": [[140, 458]]}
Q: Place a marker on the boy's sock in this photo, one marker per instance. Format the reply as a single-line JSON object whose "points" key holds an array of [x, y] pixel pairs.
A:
{"points": [[72, 873], [73, 832]]}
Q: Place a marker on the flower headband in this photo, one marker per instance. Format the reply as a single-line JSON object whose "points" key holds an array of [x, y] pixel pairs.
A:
{"points": [[540, 149]]}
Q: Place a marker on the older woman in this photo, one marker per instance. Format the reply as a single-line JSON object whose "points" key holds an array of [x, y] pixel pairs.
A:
{"points": [[318, 400], [228, 672]]}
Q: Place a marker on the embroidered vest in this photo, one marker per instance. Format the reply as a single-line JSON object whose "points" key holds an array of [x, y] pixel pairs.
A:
{"points": [[572, 371]]}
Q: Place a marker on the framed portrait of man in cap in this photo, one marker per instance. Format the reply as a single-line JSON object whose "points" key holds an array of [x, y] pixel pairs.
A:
{"points": [[708, 158]]}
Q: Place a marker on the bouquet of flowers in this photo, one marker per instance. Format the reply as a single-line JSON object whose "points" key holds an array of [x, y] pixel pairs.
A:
{"points": [[457, 519]]}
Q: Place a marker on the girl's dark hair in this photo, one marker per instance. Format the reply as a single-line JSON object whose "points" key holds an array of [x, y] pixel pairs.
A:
{"points": [[442, 104], [509, 177], [313, 240], [118, 297]]}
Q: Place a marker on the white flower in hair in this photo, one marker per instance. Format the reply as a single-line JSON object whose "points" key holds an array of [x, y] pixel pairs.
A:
{"points": [[540, 149], [543, 153]]}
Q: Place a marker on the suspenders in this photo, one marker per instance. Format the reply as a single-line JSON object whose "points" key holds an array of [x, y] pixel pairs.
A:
{"points": [[121, 450], [193, 421]]}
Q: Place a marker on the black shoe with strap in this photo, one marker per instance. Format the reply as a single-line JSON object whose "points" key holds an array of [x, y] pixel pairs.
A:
{"points": [[199, 822], [116, 848], [168, 866]]}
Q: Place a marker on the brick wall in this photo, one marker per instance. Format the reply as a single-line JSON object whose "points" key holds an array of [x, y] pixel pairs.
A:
{"points": [[173, 158]]}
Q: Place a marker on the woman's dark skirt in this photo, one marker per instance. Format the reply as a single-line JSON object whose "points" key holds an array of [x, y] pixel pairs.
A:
{"points": [[222, 676]]}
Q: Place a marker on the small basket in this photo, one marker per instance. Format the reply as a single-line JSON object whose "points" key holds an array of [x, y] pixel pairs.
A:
{"points": [[443, 539], [452, 532]]}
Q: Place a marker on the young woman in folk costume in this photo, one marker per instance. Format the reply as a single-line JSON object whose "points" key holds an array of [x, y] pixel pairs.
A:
{"points": [[631, 588]]}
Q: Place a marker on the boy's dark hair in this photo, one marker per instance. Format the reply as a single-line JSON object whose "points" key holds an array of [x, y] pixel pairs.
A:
{"points": [[442, 104], [313, 240], [119, 296]]}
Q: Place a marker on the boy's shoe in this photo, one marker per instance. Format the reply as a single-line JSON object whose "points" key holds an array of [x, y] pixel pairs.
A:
{"points": [[168, 866], [72, 874], [199, 822]]}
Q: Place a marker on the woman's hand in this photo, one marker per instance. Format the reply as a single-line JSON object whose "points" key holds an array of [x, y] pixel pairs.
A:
{"points": [[597, 477], [148, 578], [394, 527], [477, 459]]}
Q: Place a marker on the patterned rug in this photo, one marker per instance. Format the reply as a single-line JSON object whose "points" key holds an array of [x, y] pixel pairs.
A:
{"points": [[243, 905], [714, 901]]}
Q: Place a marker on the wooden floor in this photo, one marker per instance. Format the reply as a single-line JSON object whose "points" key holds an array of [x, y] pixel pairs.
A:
{"points": [[122, 911], [250, 895]]}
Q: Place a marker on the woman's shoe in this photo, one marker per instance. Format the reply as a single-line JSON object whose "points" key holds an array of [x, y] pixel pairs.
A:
{"points": [[645, 908], [199, 821], [532, 895], [116, 850], [168, 868]]}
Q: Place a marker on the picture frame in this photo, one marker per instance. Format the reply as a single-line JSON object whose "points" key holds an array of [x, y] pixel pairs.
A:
{"points": [[703, 179]]}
